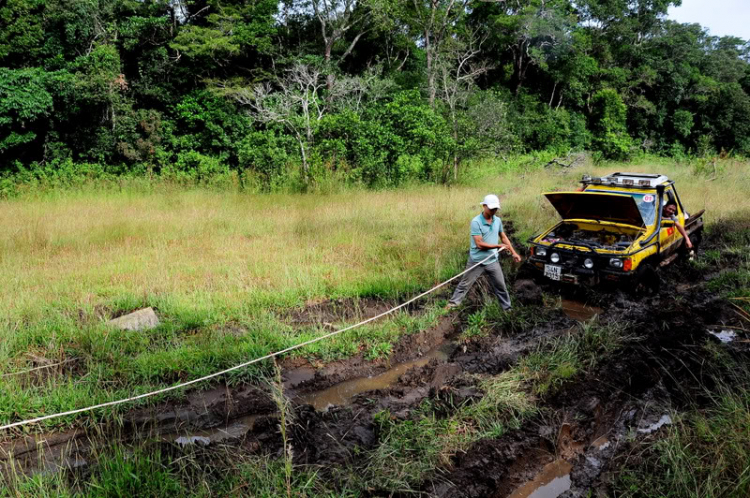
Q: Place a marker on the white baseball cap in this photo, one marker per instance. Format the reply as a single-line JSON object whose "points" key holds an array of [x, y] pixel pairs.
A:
{"points": [[491, 201]]}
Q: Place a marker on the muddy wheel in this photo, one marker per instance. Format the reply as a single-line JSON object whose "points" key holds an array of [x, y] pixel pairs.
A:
{"points": [[696, 238], [647, 281]]}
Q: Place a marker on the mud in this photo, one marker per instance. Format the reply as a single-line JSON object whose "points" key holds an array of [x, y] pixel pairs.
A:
{"points": [[574, 447], [342, 394], [329, 313], [579, 311], [302, 377], [552, 481]]}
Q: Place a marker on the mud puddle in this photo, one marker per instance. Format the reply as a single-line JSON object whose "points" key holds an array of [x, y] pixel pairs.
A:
{"points": [[235, 430], [342, 394], [724, 336], [579, 311], [48, 456], [551, 482]]}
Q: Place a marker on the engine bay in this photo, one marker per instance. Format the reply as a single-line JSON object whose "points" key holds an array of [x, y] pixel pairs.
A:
{"points": [[608, 238]]}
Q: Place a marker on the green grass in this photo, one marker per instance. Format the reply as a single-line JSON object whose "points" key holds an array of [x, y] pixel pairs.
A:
{"points": [[410, 451], [221, 268], [148, 471], [414, 450], [705, 453], [557, 361]]}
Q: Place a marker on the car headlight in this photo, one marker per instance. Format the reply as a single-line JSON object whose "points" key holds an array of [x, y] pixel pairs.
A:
{"points": [[588, 263], [617, 263], [541, 252], [554, 257]]}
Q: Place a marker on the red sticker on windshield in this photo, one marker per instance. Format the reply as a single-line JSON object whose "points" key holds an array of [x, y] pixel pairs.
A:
{"points": [[648, 198]]}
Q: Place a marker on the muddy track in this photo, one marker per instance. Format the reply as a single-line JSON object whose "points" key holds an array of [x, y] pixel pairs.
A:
{"points": [[576, 443], [598, 416]]}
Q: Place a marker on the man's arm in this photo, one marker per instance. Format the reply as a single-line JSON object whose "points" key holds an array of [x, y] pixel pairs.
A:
{"points": [[484, 246], [683, 232], [506, 242]]}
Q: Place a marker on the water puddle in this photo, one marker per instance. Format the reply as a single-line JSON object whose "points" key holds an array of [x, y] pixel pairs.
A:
{"points": [[46, 457], [578, 310], [664, 420], [295, 377], [341, 394], [551, 482], [724, 336], [236, 429], [601, 443]]}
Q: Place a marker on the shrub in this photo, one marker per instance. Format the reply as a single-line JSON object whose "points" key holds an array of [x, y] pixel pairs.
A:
{"points": [[192, 165], [611, 137], [267, 154]]}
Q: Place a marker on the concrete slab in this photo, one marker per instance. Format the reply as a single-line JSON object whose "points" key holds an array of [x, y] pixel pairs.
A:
{"points": [[138, 320]]}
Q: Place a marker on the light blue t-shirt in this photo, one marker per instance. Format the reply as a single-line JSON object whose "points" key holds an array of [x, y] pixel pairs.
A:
{"points": [[490, 232]]}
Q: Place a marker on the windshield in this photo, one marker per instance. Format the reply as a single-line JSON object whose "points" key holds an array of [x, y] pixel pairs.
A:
{"points": [[646, 203]]}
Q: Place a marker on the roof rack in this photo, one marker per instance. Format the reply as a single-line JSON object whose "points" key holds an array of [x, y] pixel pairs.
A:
{"points": [[632, 180]]}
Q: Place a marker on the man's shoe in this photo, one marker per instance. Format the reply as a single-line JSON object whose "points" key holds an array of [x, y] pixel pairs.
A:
{"points": [[450, 306]]}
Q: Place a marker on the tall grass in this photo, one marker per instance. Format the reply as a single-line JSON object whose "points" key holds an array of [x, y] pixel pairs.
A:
{"points": [[705, 454], [220, 267]]}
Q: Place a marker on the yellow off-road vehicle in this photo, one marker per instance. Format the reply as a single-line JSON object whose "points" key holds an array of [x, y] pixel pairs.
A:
{"points": [[613, 230]]}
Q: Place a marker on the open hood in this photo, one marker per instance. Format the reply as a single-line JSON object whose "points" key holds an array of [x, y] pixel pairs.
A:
{"points": [[616, 208]]}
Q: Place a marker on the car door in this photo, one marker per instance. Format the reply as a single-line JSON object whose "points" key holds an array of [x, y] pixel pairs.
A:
{"points": [[669, 237]]}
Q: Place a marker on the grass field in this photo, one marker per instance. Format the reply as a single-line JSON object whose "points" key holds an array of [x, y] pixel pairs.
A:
{"points": [[223, 268], [207, 260]]}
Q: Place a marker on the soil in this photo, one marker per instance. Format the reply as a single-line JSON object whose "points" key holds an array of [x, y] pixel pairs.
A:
{"points": [[584, 429]]}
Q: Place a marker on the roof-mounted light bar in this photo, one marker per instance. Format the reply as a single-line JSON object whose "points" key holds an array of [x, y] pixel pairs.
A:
{"points": [[626, 180]]}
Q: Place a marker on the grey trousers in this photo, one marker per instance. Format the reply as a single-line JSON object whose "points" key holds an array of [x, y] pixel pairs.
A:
{"points": [[494, 275]]}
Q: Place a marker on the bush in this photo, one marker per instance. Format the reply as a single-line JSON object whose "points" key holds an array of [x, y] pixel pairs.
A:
{"points": [[192, 165], [611, 139], [64, 173], [404, 126], [267, 155], [540, 127], [208, 124]]}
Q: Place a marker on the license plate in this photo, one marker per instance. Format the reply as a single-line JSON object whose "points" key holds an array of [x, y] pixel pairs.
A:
{"points": [[552, 271]]}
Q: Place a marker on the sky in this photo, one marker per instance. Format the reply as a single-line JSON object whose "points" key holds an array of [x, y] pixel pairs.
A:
{"points": [[721, 17]]}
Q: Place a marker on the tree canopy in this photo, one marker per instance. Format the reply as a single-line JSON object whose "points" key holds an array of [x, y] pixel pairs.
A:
{"points": [[377, 91]]}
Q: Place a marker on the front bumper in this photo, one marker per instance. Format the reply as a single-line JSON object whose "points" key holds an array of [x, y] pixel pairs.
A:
{"points": [[573, 271]]}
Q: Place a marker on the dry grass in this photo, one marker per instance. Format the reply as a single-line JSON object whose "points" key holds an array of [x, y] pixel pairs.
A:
{"points": [[236, 251], [69, 260]]}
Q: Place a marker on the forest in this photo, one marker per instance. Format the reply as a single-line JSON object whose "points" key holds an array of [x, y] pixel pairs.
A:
{"points": [[286, 95]]}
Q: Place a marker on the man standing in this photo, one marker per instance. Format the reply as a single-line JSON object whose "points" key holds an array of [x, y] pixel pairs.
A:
{"points": [[486, 230]]}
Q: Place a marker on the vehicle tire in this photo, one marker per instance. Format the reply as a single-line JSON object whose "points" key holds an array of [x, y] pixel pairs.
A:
{"points": [[696, 238], [647, 281]]}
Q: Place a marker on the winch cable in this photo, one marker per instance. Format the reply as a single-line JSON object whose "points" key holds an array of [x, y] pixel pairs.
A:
{"points": [[247, 363]]}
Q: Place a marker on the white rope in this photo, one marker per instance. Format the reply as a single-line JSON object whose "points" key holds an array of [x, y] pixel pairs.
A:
{"points": [[37, 368], [242, 365]]}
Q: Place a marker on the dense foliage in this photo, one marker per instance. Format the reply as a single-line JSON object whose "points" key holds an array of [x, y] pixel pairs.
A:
{"points": [[379, 92]]}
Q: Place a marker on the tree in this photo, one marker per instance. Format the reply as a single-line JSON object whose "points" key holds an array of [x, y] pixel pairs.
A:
{"points": [[222, 34], [21, 32], [459, 67], [609, 122], [298, 104], [435, 21], [24, 103]]}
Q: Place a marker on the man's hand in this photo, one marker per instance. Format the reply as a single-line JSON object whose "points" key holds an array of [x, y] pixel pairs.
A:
{"points": [[507, 245]]}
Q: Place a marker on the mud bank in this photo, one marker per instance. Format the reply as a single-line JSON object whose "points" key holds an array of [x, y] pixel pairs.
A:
{"points": [[573, 446]]}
